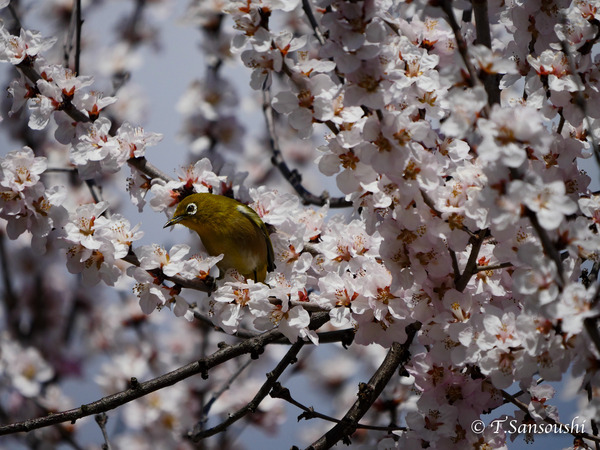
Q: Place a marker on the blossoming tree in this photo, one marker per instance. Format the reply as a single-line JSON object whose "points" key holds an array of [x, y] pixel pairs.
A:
{"points": [[456, 272]]}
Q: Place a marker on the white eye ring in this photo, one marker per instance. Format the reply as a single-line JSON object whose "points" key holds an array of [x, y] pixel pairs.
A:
{"points": [[191, 209]]}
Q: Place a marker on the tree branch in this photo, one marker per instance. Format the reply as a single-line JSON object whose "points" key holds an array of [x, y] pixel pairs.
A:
{"points": [[217, 394], [283, 393], [313, 21], [471, 266], [196, 284], [429, 202], [289, 358], [591, 326], [523, 407], [446, 6], [580, 100], [503, 265], [141, 164], [254, 347], [482, 27], [9, 296], [368, 393], [345, 337], [293, 177], [101, 420], [78, 25], [548, 246]]}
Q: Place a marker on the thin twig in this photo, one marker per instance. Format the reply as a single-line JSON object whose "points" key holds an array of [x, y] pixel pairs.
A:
{"points": [[548, 246], [141, 164], [196, 284], [68, 44], [95, 191], [61, 169], [580, 101], [207, 285], [101, 420], [368, 392], [10, 298], [591, 326], [15, 17], [482, 27], [454, 260], [292, 176], [503, 265], [240, 333], [217, 394], [345, 336], [306, 6], [429, 202], [446, 6], [471, 266], [93, 187], [63, 430], [78, 25], [131, 29], [254, 347], [283, 393], [520, 392], [523, 407], [252, 406]]}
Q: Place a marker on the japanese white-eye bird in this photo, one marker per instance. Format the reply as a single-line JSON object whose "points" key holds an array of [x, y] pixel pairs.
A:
{"points": [[231, 228]]}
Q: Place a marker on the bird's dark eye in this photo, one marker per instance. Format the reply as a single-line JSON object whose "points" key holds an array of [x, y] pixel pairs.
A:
{"points": [[191, 209]]}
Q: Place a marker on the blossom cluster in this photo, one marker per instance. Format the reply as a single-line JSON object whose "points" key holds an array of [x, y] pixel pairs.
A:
{"points": [[25, 202], [469, 213], [490, 182], [58, 91]]}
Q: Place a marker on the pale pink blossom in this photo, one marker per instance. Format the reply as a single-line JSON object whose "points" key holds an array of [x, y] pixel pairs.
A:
{"points": [[14, 49]]}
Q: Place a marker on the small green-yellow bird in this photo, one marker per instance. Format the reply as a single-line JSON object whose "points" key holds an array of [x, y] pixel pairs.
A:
{"points": [[231, 228]]}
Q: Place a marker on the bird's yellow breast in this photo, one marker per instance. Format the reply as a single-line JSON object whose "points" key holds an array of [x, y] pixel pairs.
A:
{"points": [[231, 228]]}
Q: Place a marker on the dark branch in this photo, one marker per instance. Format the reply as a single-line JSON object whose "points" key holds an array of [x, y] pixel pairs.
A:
{"points": [[78, 25], [446, 6], [196, 284], [254, 347], [591, 326], [461, 44], [580, 100], [523, 407], [345, 337], [217, 394], [548, 246], [143, 166], [368, 393], [9, 296], [293, 177], [503, 265], [309, 412], [252, 406], [471, 266], [482, 26], [313, 21], [141, 163], [101, 420]]}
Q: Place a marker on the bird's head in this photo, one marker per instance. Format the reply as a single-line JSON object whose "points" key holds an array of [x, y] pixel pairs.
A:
{"points": [[186, 212]]}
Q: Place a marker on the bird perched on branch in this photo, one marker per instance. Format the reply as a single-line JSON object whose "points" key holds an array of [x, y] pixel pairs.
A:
{"points": [[231, 228]]}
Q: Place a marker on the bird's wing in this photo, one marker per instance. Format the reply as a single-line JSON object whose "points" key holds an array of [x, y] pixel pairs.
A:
{"points": [[257, 221]]}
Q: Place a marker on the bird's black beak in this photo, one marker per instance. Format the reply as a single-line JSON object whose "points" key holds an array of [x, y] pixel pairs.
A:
{"points": [[173, 221]]}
